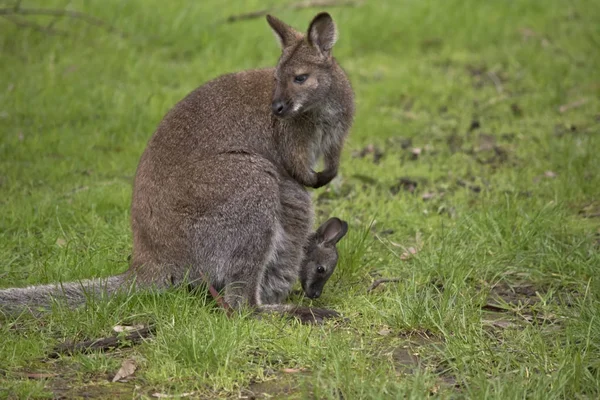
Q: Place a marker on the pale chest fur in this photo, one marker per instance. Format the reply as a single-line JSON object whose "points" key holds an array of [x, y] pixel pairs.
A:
{"points": [[329, 131]]}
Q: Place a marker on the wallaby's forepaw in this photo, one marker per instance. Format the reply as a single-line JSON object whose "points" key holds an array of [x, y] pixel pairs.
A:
{"points": [[309, 315], [324, 177]]}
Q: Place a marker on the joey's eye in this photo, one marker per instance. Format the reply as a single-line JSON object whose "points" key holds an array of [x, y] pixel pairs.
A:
{"points": [[300, 78], [321, 269]]}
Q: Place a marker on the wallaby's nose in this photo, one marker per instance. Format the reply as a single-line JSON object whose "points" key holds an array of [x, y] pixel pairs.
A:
{"points": [[278, 107], [315, 295]]}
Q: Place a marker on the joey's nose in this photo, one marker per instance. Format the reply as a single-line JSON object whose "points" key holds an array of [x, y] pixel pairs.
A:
{"points": [[278, 107], [315, 295]]}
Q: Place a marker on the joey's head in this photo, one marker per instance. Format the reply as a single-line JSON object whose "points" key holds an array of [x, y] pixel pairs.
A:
{"points": [[321, 256], [303, 75]]}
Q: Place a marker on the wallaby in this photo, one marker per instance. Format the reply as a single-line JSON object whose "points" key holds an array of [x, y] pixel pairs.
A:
{"points": [[219, 191], [319, 262]]}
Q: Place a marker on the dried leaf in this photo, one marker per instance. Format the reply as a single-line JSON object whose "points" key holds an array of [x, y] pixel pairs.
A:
{"points": [[486, 142], [415, 152], [172, 396], [566, 107], [385, 332], [70, 69], [128, 328], [404, 183], [527, 33], [35, 375], [61, 242], [293, 370], [547, 174], [128, 367], [369, 149], [428, 196], [411, 251], [499, 323]]}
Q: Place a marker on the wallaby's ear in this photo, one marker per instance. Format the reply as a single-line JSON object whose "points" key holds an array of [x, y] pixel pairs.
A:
{"points": [[332, 231], [285, 34], [322, 33]]}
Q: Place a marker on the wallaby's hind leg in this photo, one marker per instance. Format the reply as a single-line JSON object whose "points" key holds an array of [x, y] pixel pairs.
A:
{"points": [[233, 231], [246, 271], [296, 217]]}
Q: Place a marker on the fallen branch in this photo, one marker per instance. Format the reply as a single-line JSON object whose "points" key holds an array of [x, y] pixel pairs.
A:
{"points": [[103, 344], [380, 281], [10, 12], [297, 6]]}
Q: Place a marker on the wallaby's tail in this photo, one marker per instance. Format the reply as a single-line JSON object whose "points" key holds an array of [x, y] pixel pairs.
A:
{"points": [[73, 293], [306, 315]]}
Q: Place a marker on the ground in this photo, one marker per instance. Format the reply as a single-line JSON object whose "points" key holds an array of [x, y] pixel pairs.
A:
{"points": [[471, 175]]}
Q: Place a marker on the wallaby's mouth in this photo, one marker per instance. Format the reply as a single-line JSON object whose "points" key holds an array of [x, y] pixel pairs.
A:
{"points": [[284, 109]]}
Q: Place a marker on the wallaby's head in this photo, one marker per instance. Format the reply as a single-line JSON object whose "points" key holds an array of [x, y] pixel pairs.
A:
{"points": [[321, 256], [303, 75]]}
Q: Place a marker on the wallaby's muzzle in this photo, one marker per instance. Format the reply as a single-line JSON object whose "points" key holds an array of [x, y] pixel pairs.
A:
{"points": [[280, 108]]}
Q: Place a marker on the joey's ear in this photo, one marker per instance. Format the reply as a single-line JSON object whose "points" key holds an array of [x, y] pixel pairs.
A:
{"points": [[285, 34], [332, 231], [322, 33]]}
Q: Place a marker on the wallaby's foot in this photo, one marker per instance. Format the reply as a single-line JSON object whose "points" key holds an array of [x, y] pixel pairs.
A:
{"points": [[310, 315], [306, 315]]}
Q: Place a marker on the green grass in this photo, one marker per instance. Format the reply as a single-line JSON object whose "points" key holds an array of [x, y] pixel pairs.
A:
{"points": [[504, 225]]}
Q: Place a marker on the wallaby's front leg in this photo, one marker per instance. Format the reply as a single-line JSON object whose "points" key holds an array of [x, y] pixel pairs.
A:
{"points": [[299, 167], [331, 158], [303, 173], [324, 177]]}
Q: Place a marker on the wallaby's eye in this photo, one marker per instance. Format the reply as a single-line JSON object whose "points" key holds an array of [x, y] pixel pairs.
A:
{"points": [[321, 269], [300, 78]]}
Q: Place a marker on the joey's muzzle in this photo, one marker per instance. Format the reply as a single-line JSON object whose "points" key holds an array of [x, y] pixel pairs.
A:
{"points": [[313, 293]]}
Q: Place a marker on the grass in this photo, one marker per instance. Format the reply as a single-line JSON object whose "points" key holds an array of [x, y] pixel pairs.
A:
{"points": [[501, 299]]}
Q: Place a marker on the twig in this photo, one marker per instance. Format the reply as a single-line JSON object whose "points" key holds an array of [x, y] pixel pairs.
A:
{"points": [[58, 13], [494, 100], [494, 308], [218, 298], [494, 78], [591, 215], [103, 344], [297, 6], [566, 107], [380, 281], [26, 24]]}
